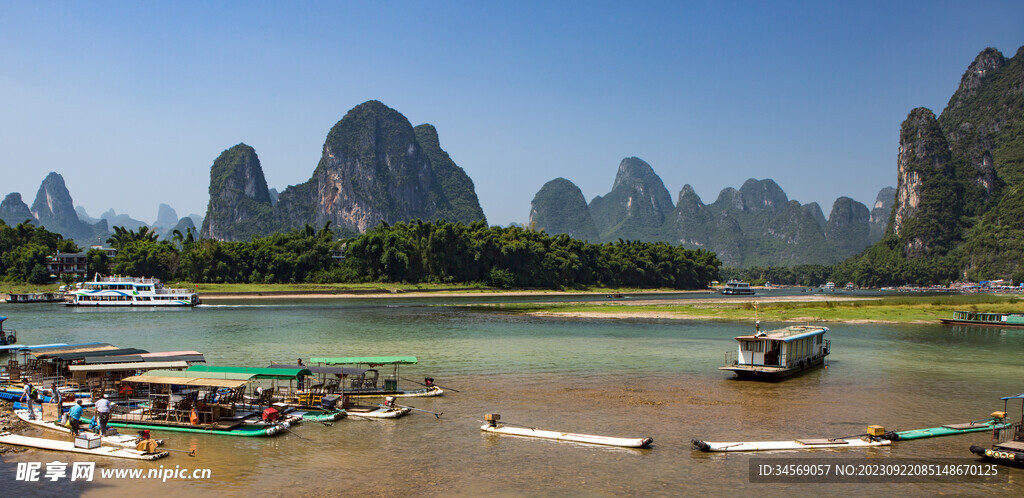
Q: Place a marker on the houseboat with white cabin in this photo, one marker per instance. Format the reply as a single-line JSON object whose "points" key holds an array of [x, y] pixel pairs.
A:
{"points": [[777, 354], [129, 291], [737, 288]]}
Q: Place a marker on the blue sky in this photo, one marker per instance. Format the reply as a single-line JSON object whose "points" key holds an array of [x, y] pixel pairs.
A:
{"points": [[132, 101]]}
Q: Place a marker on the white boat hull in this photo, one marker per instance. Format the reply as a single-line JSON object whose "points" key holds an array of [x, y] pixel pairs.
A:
{"points": [[787, 445], [377, 413], [566, 436], [415, 393], [122, 440], [68, 446]]}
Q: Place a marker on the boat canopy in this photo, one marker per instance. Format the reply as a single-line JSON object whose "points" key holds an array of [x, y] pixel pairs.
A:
{"points": [[1017, 396], [342, 371], [252, 373], [785, 335], [19, 347], [157, 377], [69, 356], [70, 348], [147, 357], [120, 367], [368, 360], [2, 318]]}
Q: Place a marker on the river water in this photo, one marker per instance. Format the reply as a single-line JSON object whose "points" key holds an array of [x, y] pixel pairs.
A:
{"points": [[628, 378]]}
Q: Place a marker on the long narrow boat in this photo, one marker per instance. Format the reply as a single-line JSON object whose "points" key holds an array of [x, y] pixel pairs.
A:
{"points": [[797, 444], [122, 440], [68, 446], [882, 439], [376, 411], [985, 319], [951, 429], [499, 428]]}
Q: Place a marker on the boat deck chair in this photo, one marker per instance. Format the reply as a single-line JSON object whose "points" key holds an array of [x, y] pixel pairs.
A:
{"points": [[356, 382], [371, 380]]}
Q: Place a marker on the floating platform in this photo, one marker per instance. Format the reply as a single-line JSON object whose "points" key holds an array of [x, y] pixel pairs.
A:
{"points": [[68, 446], [122, 440], [36, 297]]}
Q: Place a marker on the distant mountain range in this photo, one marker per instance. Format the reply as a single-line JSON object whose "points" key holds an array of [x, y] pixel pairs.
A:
{"points": [[53, 209], [755, 225], [957, 210]]}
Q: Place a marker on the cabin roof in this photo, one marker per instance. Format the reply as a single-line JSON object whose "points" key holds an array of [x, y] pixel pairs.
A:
{"points": [[71, 348], [136, 365], [369, 360], [343, 371], [787, 334], [156, 377], [211, 371], [21, 347], [145, 357], [78, 355]]}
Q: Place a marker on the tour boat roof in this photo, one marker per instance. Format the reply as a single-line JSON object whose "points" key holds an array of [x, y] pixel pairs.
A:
{"points": [[369, 360], [136, 365], [20, 347], [343, 371], [85, 346], [189, 356], [78, 355], [1016, 396], [211, 371], [162, 377], [787, 334]]}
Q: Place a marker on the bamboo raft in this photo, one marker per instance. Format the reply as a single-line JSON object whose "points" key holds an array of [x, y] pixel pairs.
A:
{"points": [[68, 446]]}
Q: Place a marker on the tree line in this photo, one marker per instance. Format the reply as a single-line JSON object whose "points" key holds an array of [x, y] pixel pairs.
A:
{"points": [[413, 252]]}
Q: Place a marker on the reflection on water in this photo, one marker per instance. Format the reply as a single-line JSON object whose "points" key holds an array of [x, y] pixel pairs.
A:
{"points": [[628, 378]]}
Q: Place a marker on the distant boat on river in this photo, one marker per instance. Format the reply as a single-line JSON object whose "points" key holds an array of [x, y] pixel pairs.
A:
{"points": [[737, 288], [985, 319]]}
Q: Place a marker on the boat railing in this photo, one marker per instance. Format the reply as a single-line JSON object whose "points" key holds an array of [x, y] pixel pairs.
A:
{"points": [[731, 358], [1013, 433]]}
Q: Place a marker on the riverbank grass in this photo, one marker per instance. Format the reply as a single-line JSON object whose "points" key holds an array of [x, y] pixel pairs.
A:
{"points": [[901, 309]]}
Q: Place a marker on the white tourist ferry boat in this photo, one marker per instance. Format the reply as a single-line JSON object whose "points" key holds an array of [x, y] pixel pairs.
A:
{"points": [[129, 291]]}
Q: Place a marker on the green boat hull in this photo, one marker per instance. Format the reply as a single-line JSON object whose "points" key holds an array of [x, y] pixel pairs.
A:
{"points": [[243, 431], [946, 431]]}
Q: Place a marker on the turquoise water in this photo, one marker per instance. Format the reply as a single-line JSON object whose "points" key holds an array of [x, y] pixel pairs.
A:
{"points": [[626, 378]]}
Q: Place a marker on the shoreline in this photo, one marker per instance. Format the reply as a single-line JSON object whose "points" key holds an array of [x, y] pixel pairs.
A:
{"points": [[400, 293]]}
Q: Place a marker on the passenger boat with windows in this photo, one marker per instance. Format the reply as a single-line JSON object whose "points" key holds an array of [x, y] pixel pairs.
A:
{"points": [[777, 354], [129, 291], [985, 319], [737, 288]]}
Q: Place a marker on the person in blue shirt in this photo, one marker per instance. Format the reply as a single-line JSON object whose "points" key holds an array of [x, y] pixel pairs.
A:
{"points": [[75, 418]]}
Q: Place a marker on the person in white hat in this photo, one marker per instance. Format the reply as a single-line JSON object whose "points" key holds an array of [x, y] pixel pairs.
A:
{"points": [[103, 413]]}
